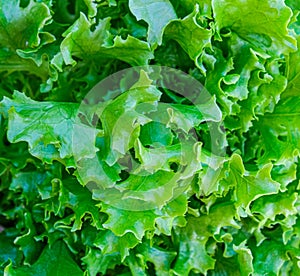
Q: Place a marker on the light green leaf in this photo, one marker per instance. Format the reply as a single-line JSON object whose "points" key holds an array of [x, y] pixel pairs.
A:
{"points": [[264, 25], [93, 170], [157, 14], [192, 251], [239, 262], [272, 205], [293, 74], [245, 259], [140, 192], [121, 122], [185, 156], [121, 222], [109, 243], [99, 44], [46, 126], [250, 186], [187, 117], [172, 215], [280, 132], [217, 67], [161, 258], [92, 7], [136, 264], [190, 35], [97, 262]]}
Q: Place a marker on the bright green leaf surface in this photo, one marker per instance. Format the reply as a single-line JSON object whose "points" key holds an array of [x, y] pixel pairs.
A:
{"points": [[263, 25], [189, 34], [162, 178], [38, 124], [89, 45], [157, 14]]}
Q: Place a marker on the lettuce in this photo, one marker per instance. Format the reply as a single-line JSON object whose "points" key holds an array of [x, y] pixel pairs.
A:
{"points": [[149, 137]]}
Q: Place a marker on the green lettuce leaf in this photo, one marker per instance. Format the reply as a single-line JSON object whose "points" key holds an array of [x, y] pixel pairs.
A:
{"points": [[192, 239], [69, 194], [265, 25], [279, 140], [275, 255], [138, 222], [96, 45], [250, 186], [97, 262], [54, 260], [153, 176], [157, 14], [29, 246], [8, 250], [159, 257], [192, 37], [109, 243], [21, 28], [40, 124]]}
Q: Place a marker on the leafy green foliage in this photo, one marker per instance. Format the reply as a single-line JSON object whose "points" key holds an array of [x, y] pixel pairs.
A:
{"points": [[157, 14], [83, 43], [21, 29], [149, 181], [50, 142], [50, 261], [243, 18]]}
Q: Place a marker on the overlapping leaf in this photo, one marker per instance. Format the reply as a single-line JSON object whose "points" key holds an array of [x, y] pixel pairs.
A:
{"points": [[21, 29], [47, 127], [245, 17], [55, 260], [94, 45], [160, 185]]}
